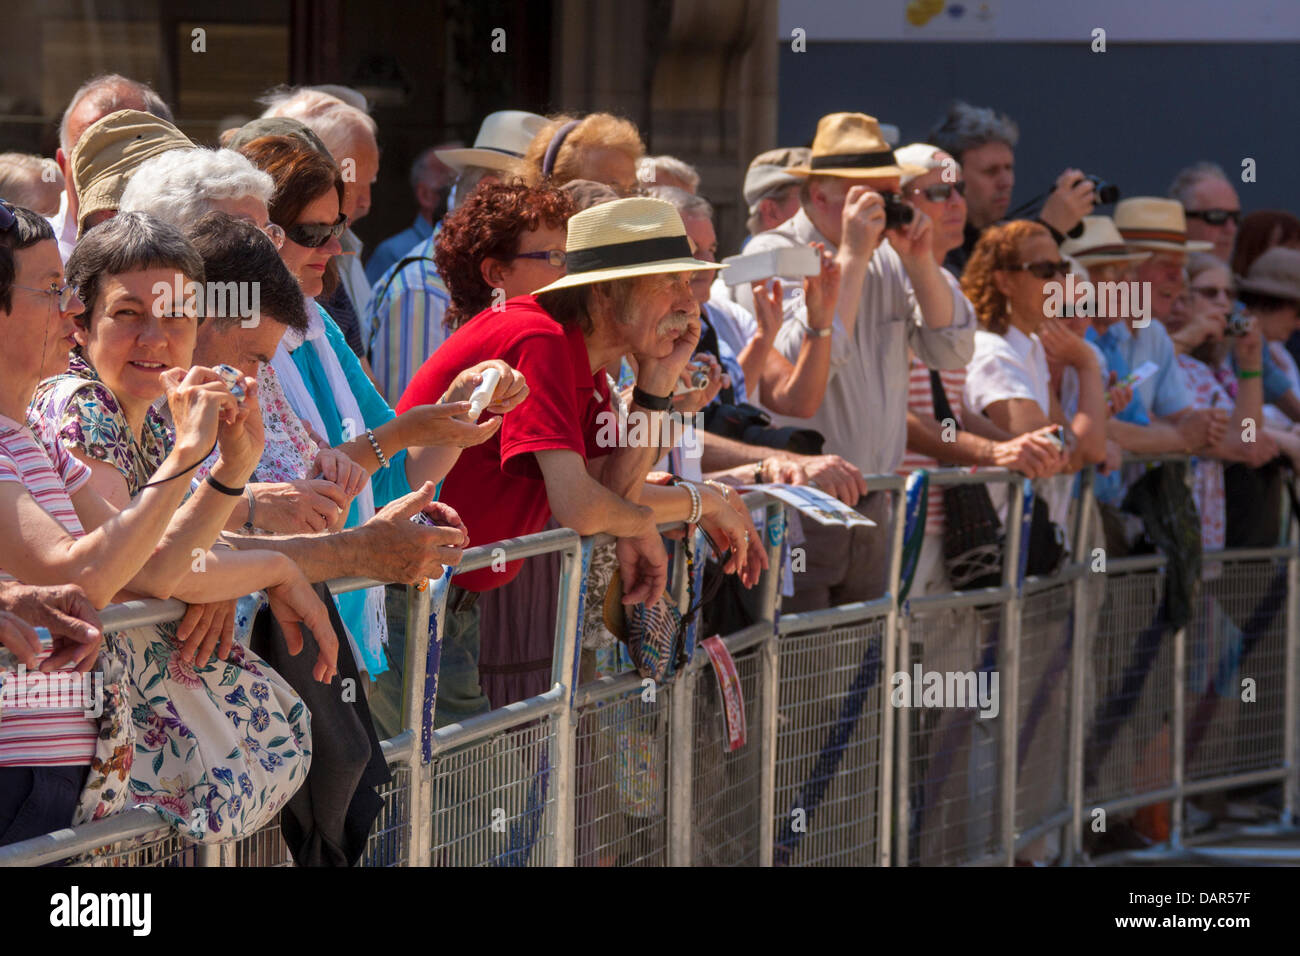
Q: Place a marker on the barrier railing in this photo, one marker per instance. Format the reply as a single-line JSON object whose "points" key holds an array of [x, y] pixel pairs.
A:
{"points": [[1100, 709]]}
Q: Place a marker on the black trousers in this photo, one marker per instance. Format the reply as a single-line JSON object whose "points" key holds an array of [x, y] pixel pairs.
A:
{"points": [[327, 821]]}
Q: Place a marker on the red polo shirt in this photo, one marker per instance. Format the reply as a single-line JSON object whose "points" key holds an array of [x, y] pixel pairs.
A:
{"points": [[497, 487]]}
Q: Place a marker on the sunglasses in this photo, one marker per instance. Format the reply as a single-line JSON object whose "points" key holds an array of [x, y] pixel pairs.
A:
{"points": [[1043, 269], [1216, 217], [1212, 291], [941, 192], [555, 257], [7, 217], [315, 235]]}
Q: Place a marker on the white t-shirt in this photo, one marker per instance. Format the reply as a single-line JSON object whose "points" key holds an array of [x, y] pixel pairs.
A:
{"points": [[1007, 367]]}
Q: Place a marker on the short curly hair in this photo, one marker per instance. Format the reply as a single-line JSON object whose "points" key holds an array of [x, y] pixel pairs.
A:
{"points": [[998, 248], [488, 225], [594, 131]]}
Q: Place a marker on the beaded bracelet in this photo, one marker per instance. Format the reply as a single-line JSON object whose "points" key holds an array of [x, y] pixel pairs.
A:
{"points": [[379, 452], [696, 505]]}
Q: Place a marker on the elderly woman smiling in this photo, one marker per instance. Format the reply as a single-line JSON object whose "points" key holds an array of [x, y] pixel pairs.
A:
{"points": [[59, 527]]}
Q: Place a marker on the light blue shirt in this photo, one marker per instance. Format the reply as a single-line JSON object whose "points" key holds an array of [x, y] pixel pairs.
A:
{"points": [[1164, 393], [395, 247]]}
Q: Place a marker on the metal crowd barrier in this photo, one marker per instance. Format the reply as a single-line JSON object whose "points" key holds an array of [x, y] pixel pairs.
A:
{"points": [[1101, 709]]}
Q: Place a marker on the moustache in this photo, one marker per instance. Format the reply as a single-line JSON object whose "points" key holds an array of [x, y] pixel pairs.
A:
{"points": [[674, 325]]}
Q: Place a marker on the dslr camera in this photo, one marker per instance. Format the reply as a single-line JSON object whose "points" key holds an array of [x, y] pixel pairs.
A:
{"points": [[1106, 193]]}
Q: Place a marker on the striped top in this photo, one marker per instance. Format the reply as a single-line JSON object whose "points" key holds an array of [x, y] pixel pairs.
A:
{"points": [[40, 734], [406, 312], [920, 402]]}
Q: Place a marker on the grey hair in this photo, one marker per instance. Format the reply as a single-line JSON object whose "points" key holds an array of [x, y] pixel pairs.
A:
{"points": [[1186, 179], [31, 181], [688, 205], [969, 127], [341, 127], [129, 242], [181, 185], [648, 169], [112, 92]]}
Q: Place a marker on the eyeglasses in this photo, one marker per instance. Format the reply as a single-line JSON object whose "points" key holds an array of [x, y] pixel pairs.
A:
{"points": [[1216, 217], [7, 217], [65, 294], [1212, 291], [555, 257], [1042, 269], [315, 235], [941, 192]]}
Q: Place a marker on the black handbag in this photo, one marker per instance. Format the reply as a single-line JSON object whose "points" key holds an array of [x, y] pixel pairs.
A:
{"points": [[972, 533]]}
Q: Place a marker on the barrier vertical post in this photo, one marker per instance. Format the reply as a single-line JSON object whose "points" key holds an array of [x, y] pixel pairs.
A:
{"points": [[1009, 663], [1291, 760], [890, 639], [419, 834], [564, 749], [680, 705], [902, 746], [769, 679], [1078, 665]]}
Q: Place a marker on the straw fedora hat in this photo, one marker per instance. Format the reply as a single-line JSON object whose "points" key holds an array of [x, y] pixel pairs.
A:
{"points": [[502, 140], [1160, 224], [1100, 244], [110, 151], [852, 144], [625, 238], [1276, 273]]}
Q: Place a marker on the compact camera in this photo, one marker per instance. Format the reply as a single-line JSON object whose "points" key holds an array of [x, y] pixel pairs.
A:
{"points": [[1238, 323], [232, 377]]}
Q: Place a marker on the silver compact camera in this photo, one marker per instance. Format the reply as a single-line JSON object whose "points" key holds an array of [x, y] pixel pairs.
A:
{"points": [[232, 377], [1238, 323]]}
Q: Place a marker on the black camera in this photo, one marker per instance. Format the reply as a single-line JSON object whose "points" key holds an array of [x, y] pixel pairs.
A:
{"points": [[1106, 193], [1238, 323], [897, 213]]}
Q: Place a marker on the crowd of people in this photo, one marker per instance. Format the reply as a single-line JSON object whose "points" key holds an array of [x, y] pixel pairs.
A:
{"points": [[214, 395]]}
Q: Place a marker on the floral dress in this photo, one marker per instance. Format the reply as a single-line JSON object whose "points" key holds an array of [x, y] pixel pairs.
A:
{"points": [[1207, 477], [217, 749]]}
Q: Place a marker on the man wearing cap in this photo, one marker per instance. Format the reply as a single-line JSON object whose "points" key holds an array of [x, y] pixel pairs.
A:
{"points": [[96, 98], [771, 191], [1153, 247], [431, 181], [409, 301], [627, 291], [109, 153], [892, 295]]}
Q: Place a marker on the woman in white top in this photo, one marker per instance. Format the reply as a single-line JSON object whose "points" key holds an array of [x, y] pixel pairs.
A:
{"points": [[1009, 280]]}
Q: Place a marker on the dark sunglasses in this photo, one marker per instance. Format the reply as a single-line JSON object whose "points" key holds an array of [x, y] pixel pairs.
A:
{"points": [[314, 235], [1216, 217], [1043, 269], [1212, 291], [555, 257], [7, 217], [941, 192]]}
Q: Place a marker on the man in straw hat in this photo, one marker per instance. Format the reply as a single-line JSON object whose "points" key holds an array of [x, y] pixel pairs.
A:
{"points": [[1147, 243], [626, 292], [892, 295]]}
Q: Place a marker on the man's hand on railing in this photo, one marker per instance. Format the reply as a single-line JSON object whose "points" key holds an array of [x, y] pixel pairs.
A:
{"points": [[299, 507], [1033, 454], [64, 610], [833, 475], [293, 602], [205, 627], [400, 550], [1202, 428]]}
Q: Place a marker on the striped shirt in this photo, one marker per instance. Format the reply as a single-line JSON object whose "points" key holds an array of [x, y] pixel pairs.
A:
{"points": [[39, 734], [920, 402], [406, 311]]}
